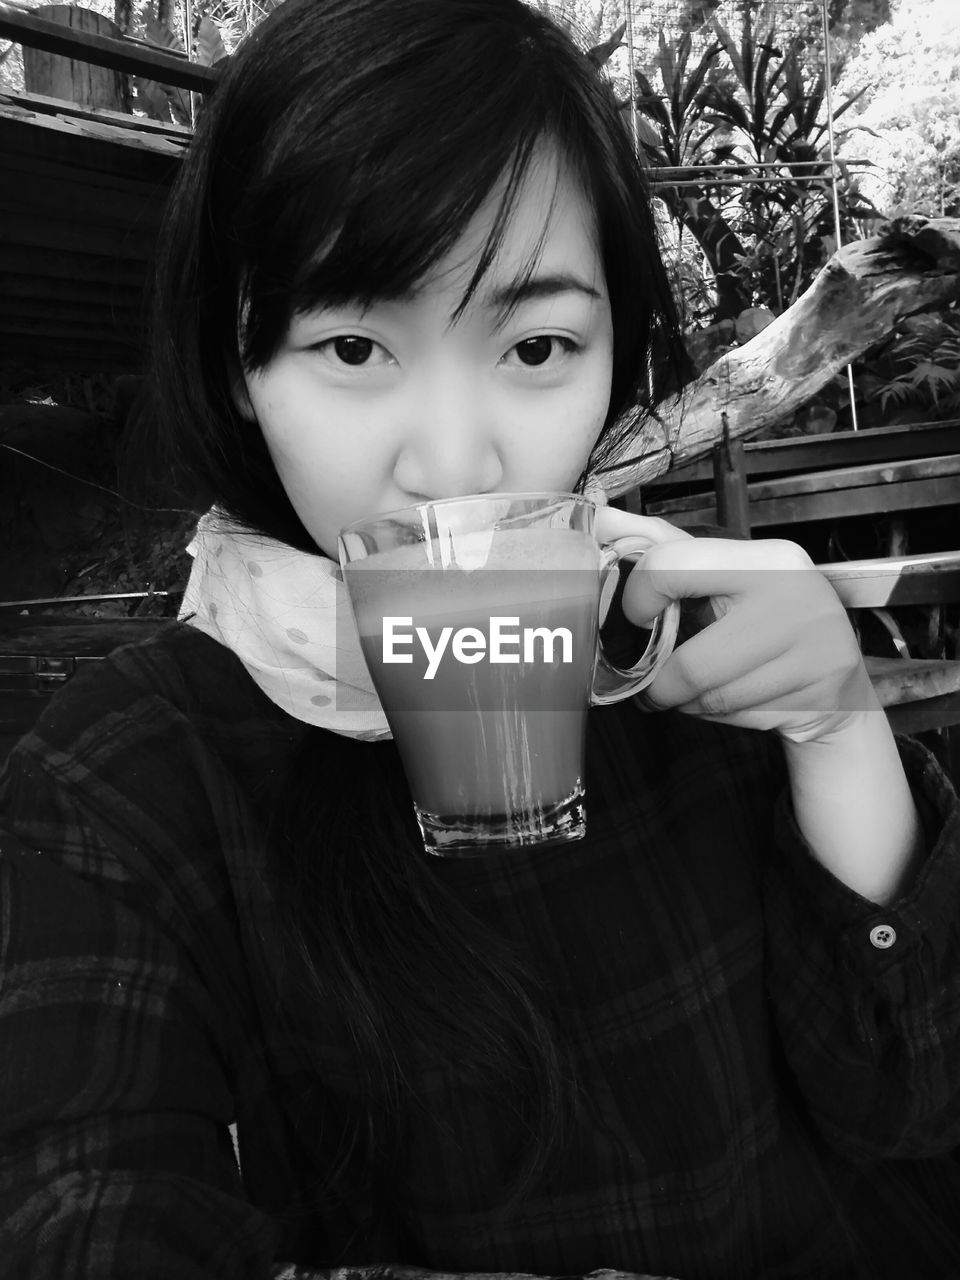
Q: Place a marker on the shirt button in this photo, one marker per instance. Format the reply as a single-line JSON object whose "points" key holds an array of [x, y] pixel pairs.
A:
{"points": [[883, 936]]}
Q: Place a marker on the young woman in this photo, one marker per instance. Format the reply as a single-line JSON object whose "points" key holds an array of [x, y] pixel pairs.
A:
{"points": [[411, 255]]}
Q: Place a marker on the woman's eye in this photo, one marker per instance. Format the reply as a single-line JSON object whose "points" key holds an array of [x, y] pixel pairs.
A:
{"points": [[537, 351], [352, 350]]}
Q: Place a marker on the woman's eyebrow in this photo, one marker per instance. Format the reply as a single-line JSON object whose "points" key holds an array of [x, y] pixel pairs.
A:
{"points": [[508, 296]]}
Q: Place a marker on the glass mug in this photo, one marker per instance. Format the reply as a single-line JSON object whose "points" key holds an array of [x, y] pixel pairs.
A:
{"points": [[479, 622]]}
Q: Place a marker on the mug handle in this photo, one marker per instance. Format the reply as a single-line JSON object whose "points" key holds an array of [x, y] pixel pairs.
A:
{"points": [[610, 683]]}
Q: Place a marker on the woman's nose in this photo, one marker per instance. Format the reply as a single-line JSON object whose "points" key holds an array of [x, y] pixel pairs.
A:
{"points": [[450, 447]]}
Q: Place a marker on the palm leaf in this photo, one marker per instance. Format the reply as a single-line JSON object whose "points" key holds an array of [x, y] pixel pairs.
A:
{"points": [[602, 53], [698, 76], [666, 63], [730, 48], [650, 103], [209, 49], [160, 101]]}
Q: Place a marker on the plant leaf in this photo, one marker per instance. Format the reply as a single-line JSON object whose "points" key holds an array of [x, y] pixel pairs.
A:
{"points": [[160, 35], [209, 48], [601, 53], [152, 100], [161, 102]]}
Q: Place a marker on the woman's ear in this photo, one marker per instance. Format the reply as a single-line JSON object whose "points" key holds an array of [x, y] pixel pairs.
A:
{"points": [[241, 398], [242, 401]]}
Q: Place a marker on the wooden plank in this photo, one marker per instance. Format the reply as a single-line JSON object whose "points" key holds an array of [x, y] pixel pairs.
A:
{"points": [[126, 154], [37, 318], [98, 206], [46, 266], [32, 319], [102, 315], [103, 206], [69, 292], [110, 133], [929, 578], [28, 147], [60, 235], [856, 477], [842, 479], [897, 681], [37, 333], [845, 478], [839, 448], [102, 287], [105, 51], [74, 126], [76, 355], [839, 504], [77, 636], [803, 508], [45, 105], [923, 717]]}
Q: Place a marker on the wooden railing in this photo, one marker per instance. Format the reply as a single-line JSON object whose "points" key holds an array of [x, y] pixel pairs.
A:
{"points": [[124, 54]]}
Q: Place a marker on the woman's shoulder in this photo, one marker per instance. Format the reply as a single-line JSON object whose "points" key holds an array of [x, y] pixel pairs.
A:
{"points": [[176, 677], [176, 665], [176, 715]]}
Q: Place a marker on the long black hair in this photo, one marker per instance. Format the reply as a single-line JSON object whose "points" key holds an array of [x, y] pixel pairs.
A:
{"points": [[342, 155]]}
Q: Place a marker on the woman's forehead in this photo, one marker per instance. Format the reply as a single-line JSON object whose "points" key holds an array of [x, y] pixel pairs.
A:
{"points": [[547, 232], [533, 234]]}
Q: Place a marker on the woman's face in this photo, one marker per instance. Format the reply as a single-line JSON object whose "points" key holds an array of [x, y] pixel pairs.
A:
{"points": [[367, 410]]}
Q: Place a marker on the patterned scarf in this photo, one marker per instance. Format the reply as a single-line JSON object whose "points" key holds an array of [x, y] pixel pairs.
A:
{"points": [[286, 616]]}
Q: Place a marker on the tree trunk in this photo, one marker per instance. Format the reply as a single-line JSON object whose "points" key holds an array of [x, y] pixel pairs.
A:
{"points": [[123, 15], [861, 295], [165, 13]]}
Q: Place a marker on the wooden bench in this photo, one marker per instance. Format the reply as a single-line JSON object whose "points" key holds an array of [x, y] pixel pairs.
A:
{"points": [[880, 470], [919, 695], [39, 654], [824, 477]]}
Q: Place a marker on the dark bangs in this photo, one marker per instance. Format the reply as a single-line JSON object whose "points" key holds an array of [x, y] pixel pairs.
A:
{"points": [[420, 140]]}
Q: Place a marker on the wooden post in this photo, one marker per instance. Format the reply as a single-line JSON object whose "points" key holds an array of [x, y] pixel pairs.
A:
{"points": [[74, 81], [730, 484]]}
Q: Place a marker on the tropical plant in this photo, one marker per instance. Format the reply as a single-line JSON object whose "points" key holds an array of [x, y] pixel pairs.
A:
{"points": [[165, 102], [675, 135], [924, 366], [777, 115], [749, 108]]}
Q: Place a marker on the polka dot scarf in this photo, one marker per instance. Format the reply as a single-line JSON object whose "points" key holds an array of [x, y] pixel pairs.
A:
{"points": [[285, 615]]}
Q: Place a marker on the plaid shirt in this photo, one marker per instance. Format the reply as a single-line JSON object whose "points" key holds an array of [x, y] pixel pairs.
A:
{"points": [[768, 1091]]}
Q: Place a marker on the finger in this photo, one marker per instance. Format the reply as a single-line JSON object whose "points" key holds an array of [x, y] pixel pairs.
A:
{"points": [[720, 569], [797, 725], [612, 524], [773, 689], [719, 657], [810, 641], [787, 690]]}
